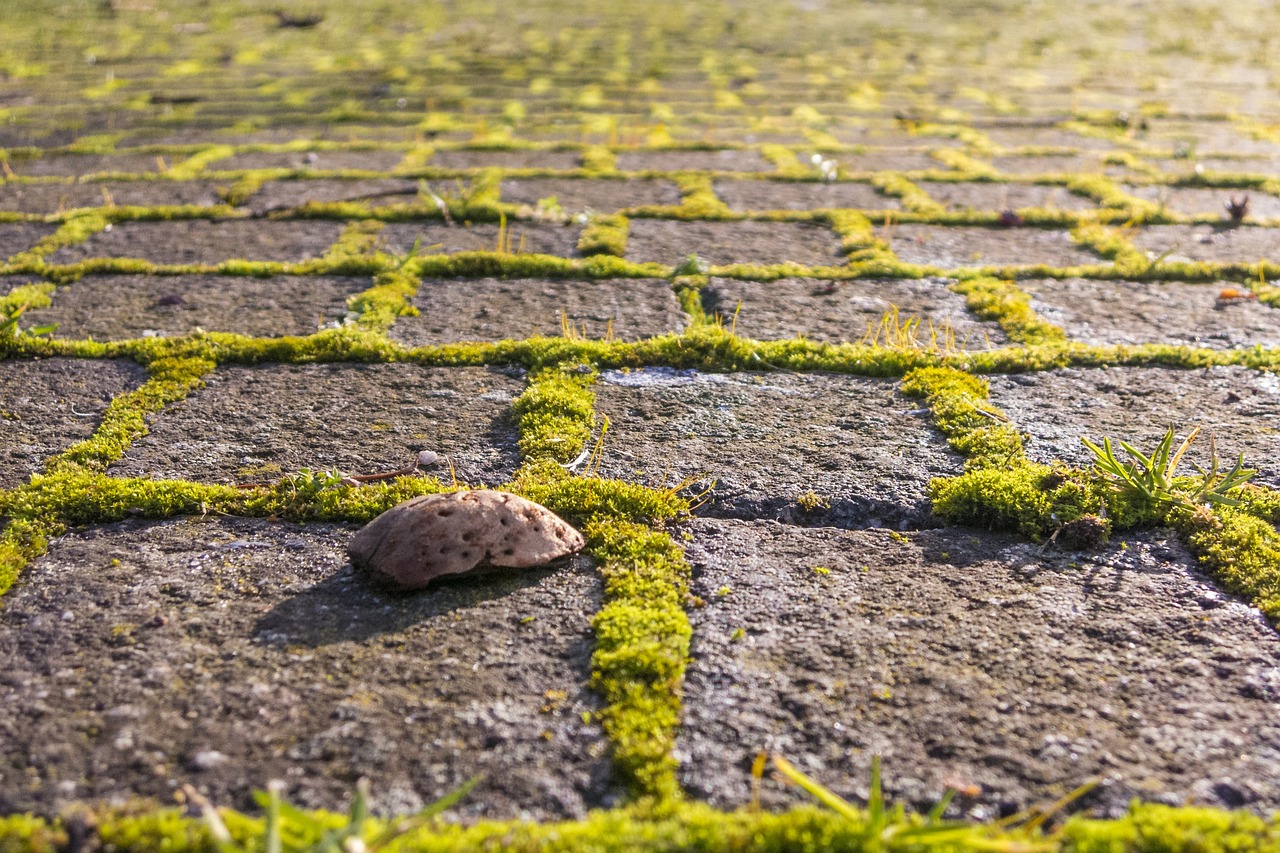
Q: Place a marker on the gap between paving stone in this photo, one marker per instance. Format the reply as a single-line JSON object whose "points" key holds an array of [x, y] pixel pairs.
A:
{"points": [[113, 307], [1221, 243], [802, 195], [846, 311], [251, 424], [200, 241], [543, 238], [720, 243], [491, 309], [967, 246], [1148, 312], [974, 659], [768, 438], [225, 653], [46, 405], [576, 195], [1241, 407]]}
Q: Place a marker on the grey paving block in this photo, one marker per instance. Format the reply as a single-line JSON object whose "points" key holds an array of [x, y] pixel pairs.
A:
{"points": [[199, 241], [377, 161], [254, 423], [46, 405], [998, 197], [493, 309], [17, 237], [848, 311], [224, 653], [544, 238], [727, 160], [282, 195], [1132, 312], [68, 165], [965, 246], [886, 160], [718, 243], [1044, 137], [1137, 404], [802, 195], [111, 307], [54, 198], [515, 159], [1222, 243], [1046, 164], [604, 196], [768, 438], [1195, 202], [974, 661]]}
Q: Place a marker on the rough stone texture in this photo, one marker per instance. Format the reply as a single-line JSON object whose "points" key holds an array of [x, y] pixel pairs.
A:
{"points": [[1133, 312], [1044, 137], [17, 237], [718, 243], [971, 659], [46, 405], [49, 198], [967, 247], [1208, 242], [729, 160], [71, 165], [543, 238], [199, 241], [996, 197], [506, 159], [117, 307], [434, 536], [766, 439], [282, 195], [802, 195], [491, 309], [1194, 202], [1138, 404], [886, 160], [576, 196], [1047, 164], [254, 423], [222, 653], [847, 311], [379, 161]]}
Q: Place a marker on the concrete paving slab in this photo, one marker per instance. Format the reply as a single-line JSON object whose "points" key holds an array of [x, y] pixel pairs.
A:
{"points": [[491, 309], [717, 243], [46, 405], [795, 195], [199, 241], [119, 307], [74, 165], [765, 439], [1196, 202], [847, 311], [966, 246], [1047, 164], [728, 160], [251, 424], [969, 659], [1222, 243], [516, 159], [1137, 404], [227, 652], [17, 237], [282, 195], [544, 238], [56, 198], [576, 196], [998, 197], [379, 161]]}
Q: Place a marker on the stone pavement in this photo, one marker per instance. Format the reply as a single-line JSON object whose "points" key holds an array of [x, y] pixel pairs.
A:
{"points": [[745, 248]]}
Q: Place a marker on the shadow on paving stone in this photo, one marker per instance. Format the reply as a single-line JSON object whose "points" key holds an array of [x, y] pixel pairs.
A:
{"points": [[17, 237], [847, 311], [490, 309], [720, 243], [1207, 242], [802, 195], [1133, 312], [575, 195], [768, 439], [283, 195], [543, 238], [728, 160], [966, 246], [48, 405], [997, 197], [516, 159], [111, 307], [55, 198], [1240, 407], [966, 659], [200, 241], [225, 653], [256, 423], [1193, 202]]}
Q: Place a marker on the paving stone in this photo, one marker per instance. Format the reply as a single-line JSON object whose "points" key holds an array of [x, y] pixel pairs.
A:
{"points": [[1133, 312], [1196, 202], [1044, 137], [1247, 165], [65, 165], [847, 311], [886, 161], [377, 161], [965, 246], [491, 309], [1137, 404], [55, 198], [802, 195], [1207, 242], [515, 159], [253, 423], [605, 196], [231, 651], [200, 241], [47, 405], [17, 237], [972, 659], [728, 160], [282, 195], [544, 238], [989, 197], [117, 307], [1046, 164], [766, 439], [719, 243]]}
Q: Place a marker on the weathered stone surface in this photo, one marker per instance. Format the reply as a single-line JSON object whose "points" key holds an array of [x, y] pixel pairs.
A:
{"points": [[997, 197], [1194, 201], [802, 195], [543, 238], [670, 242], [1207, 242], [965, 246], [728, 160], [200, 241], [604, 196], [432, 536]]}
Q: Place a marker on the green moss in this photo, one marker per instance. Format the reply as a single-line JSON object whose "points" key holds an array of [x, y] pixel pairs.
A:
{"points": [[699, 197], [21, 833], [76, 228], [195, 165], [390, 297], [554, 414], [1240, 551], [784, 161], [599, 158], [912, 197], [1166, 829], [970, 168], [605, 234], [1114, 245], [1003, 302]]}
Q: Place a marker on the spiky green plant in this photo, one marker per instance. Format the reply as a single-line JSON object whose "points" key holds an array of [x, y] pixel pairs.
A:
{"points": [[1154, 476]]}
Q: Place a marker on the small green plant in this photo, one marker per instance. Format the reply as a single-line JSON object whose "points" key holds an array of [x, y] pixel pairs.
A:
{"points": [[692, 265], [1154, 477], [9, 327]]}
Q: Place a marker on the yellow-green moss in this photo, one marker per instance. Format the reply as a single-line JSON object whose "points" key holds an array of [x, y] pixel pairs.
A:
{"points": [[554, 415], [604, 234], [1006, 304]]}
